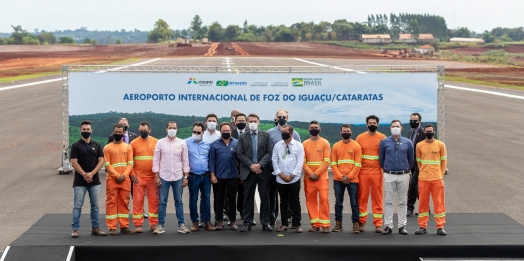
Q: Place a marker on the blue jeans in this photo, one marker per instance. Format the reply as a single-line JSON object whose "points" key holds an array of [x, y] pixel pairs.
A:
{"points": [[202, 184], [177, 195], [80, 193], [352, 189]]}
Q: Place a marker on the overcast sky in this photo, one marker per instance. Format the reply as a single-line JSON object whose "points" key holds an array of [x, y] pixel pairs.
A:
{"points": [[113, 15]]}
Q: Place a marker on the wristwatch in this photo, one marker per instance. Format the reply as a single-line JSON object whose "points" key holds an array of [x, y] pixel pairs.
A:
{"points": [[186, 177]]}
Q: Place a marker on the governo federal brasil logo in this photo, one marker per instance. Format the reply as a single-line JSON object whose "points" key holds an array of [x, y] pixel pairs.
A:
{"points": [[300, 82], [297, 82]]}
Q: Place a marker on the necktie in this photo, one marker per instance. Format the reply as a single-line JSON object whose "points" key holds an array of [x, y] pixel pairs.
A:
{"points": [[413, 137], [254, 142]]}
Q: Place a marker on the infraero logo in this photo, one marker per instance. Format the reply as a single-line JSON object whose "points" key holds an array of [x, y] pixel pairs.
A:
{"points": [[222, 83], [297, 82], [192, 81]]}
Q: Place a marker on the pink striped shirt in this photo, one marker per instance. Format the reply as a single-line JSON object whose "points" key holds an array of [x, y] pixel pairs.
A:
{"points": [[170, 159]]}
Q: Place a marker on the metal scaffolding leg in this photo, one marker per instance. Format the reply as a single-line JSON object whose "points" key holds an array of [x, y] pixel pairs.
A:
{"points": [[66, 163]]}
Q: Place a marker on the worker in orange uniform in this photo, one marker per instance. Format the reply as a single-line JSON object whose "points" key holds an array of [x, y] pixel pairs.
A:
{"points": [[346, 162], [316, 181], [118, 157], [432, 162], [143, 178], [370, 176]]}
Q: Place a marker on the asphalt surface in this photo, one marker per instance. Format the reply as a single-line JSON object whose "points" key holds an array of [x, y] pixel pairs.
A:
{"points": [[483, 136]]}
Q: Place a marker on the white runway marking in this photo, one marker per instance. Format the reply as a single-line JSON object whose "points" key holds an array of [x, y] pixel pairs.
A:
{"points": [[136, 64], [5, 253], [483, 91], [325, 65], [69, 255]]}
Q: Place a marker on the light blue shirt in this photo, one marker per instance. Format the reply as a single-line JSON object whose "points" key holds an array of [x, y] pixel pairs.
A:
{"points": [[198, 155], [276, 135]]}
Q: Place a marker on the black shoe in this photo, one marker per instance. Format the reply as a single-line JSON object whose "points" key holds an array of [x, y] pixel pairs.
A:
{"points": [[410, 213], [403, 231], [386, 231], [441, 232], [272, 221], [245, 229], [267, 228], [421, 231]]}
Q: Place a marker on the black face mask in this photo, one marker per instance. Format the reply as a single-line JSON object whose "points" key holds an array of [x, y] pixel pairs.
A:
{"points": [[429, 135], [414, 124], [314, 132], [144, 134], [241, 125], [86, 134], [226, 135], [282, 122], [276, 122], [346, 135], [118, 137], [286, 136], [372, 128], [125, 128]]}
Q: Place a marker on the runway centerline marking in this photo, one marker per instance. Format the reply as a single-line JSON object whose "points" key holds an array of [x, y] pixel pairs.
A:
{"points": [[325, 65], [59, 79], [484, 91]]}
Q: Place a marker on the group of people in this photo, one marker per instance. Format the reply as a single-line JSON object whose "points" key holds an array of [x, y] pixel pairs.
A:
{"points": [[238, 159]]}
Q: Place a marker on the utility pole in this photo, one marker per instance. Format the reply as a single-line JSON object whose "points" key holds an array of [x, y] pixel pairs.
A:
{"points": [[454, 25]]}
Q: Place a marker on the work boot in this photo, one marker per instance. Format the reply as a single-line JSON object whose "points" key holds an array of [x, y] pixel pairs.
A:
{"points": [[219, 225], [138, 229], [152, 228], [378, 229], [194, 227], [97, 232], [314, 229], [338, 227], [112, 232], [356, 229], [210, 226], [441, 232], [298, 229], [74, 234], [325, 230], [421, 231], [361, 227], [127, 231]]}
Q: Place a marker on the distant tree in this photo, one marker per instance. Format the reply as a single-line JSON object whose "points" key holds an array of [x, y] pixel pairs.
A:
{"points": [[309, 36], [414, 27], [196, 25], [160, 33], [18, 34], [108, 40], [334, 36], [118, 41], [232, 32], [66, 40], [488, 38], [46, 37], [325, 36], [93, 42], [245, 26], [268, 34], [463, 32], [216, 32], [87, 41]]}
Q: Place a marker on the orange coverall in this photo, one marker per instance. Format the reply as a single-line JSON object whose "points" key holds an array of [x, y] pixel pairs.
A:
{"points": [[316, 160], [370, 178], [118, 161], [432, 162], [143, 151], [346, 160]]}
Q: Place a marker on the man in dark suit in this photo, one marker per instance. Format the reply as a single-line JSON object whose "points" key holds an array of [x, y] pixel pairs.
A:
{"points": [[254, 153], [128, 136], [240, 123], [416, 135]]}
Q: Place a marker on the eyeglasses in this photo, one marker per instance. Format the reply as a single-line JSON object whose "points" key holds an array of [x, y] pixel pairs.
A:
{"points": [[287, 151], [197, 132]]}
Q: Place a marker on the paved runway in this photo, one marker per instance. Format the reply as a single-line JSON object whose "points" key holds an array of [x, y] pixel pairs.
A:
{"points": [[483, 135]]}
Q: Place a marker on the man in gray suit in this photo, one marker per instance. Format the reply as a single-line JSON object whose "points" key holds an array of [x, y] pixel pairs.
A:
{"points": [[254, 153]]}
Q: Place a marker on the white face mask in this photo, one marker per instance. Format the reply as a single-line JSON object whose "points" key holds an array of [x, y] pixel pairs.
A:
{"points": [[197, 137], [395, 131], [211, 125], [171, 133], [253, 126]]}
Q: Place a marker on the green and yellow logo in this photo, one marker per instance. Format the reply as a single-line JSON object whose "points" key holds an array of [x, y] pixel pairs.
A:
{"points": [[297, 82], [222, 83]]}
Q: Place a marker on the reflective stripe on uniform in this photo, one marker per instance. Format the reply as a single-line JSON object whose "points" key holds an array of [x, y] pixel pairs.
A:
{"points": [[370, 157], [314, 163], [325, 221], [444, 158], [327, 160], [346, 162], [105, 164], [425, 214], [152, 215], [377, 215], [430, 162], [143, 158], [315, 220], [138, 216], [358, 164], [334, 163], [363, 214], [439, 215], [119, 164], [122, 215], [111, 216], [130, 162]]}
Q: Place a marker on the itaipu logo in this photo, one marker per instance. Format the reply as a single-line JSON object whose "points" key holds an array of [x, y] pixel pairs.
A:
{"points": [[300, 82], [200, 83], [297, 82], [222, 83], [192, 81]]}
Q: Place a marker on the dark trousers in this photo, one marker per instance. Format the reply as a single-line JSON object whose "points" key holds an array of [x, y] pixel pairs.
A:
{"points": [[219, 191], [340, 189], [413, 189], [248, 210], [239, 197], [273, 197], [290, 198]]}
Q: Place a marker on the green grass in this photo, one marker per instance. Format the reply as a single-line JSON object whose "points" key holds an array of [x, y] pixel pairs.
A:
{"points": [[489, 57], [484, 83], [38, 75], [359, 45]]}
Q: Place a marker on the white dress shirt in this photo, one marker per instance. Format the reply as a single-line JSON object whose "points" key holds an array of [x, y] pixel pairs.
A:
{"points": [[288, 160], [211, 137]]}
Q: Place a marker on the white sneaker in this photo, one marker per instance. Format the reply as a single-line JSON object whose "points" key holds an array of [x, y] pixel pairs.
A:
{"points": [[182, 229], [159, 230]]}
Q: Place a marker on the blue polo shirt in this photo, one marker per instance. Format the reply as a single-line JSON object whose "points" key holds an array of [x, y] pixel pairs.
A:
{"points": [[396, 155], [198, 155], [223, 159]]}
